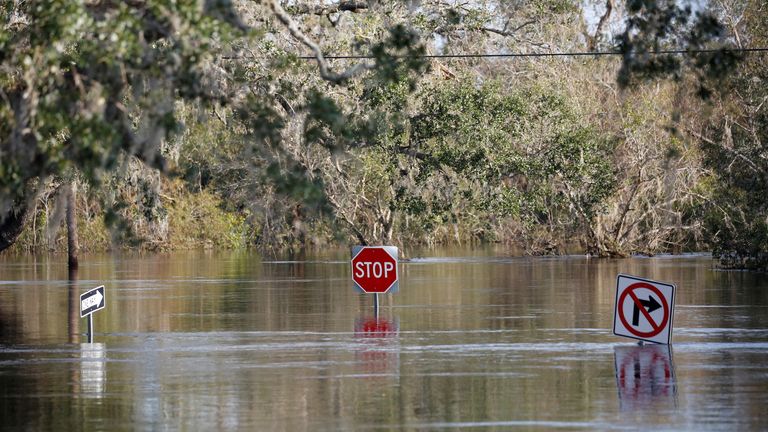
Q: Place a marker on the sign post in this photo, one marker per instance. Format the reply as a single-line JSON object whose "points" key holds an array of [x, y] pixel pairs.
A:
{"points": [[374, 270], [644, 309], [91, 302]]}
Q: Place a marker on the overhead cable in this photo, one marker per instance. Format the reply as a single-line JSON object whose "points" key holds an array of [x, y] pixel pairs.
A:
{"points": [[534, 54]]}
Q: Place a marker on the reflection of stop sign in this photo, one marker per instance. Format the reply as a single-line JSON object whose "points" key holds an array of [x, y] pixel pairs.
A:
{"points": [[374, 268]]}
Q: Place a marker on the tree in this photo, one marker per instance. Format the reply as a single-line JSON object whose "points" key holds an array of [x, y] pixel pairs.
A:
{"points": [[735, 144], [390, 146], [375, 184], [85, 87], [732, 197]]}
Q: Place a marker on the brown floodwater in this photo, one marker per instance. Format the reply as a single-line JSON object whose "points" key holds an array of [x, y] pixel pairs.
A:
{"points": [[474, 339]]}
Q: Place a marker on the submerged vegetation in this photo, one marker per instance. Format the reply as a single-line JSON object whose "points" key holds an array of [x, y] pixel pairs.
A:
{"points": [[197, 124]]}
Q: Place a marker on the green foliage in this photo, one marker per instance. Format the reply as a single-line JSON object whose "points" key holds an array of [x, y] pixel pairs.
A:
{"points": [[735, 212], [261, 148], [399, 58], [738, 224], [470, 155], [197, 219], [671, 25], [327, 123], [86, 83], [737, 215], [45, 231]]}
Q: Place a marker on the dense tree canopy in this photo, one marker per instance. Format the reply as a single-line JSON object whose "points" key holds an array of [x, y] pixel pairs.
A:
{"points": [[159, 107], [86, 85], [736, 151]]}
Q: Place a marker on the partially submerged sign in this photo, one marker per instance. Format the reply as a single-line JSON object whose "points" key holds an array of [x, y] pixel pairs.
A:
{"points": [[374, 269], [644, 309], [92, 301]]}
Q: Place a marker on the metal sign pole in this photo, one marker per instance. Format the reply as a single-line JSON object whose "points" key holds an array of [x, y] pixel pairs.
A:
{"points": [[90, 328], [376, 306]]}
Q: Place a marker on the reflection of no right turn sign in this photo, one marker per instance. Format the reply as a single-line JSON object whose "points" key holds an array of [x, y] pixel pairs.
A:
{"points": [[644, 309]]}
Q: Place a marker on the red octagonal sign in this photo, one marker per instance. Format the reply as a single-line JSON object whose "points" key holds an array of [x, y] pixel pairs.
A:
{"points": [[374, 268]]}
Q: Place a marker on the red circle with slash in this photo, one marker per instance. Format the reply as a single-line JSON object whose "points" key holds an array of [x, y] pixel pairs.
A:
{"points": [[657, 328]]}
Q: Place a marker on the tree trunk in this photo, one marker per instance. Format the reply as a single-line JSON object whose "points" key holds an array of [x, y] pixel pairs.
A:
{"points": [[73, 306], [297, 226], [73, 245]]}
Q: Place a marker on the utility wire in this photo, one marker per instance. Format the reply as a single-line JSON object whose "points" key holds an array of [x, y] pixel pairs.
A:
{"points": [[555, 54], [517, 55]]}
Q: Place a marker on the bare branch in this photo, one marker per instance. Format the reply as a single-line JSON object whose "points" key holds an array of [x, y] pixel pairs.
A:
{"points": [[327, 9], [737, 155], [222, 119], [504, 31], [409, 151], [600, 24], [445, 29], [325, 73]]}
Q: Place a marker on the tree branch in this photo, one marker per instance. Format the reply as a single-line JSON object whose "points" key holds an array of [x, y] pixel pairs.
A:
{"points": [[325, 73], [504, 31], [320, 9], [737, 155], [600, 24]]}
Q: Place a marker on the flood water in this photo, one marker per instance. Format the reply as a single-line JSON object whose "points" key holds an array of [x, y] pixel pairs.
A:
{"points": [[473, 339]]}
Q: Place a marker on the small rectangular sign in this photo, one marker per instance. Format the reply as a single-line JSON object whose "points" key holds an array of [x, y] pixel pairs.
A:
{"points": [[92, 301]]}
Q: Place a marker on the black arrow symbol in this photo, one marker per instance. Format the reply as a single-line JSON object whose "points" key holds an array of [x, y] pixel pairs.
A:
{"points": [[651, 304]]}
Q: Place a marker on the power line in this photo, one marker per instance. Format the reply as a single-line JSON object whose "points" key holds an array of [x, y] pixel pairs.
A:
{"points": [[520, 55], [555, 54]]}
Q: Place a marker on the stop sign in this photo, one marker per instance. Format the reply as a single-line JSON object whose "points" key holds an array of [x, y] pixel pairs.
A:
{"points": [[374, 268]]}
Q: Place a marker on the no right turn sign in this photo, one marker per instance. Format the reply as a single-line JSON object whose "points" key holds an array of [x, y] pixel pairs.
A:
{"points": [[644, 309]]}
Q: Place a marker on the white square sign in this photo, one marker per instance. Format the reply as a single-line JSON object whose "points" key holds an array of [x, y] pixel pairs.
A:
{"points": [[644, 309]]}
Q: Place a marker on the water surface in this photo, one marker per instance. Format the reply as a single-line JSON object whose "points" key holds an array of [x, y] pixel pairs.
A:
{"points": [[474, 339]]}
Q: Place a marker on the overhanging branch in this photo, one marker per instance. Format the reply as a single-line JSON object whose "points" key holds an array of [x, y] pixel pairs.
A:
{"points": [[599, 29], [320, 9], [505, 31], [325, 72]]}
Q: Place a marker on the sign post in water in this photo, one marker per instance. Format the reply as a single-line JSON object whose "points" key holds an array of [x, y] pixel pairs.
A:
{"points": [[644, 309], [91, 302], [374, 270]]}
